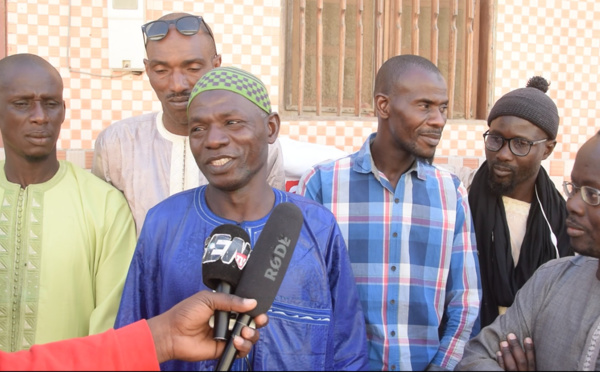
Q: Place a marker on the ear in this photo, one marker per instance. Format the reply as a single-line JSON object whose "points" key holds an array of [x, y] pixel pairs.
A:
{"points": [[216, 61], [64, 112], [382, 105], [274, 124], [146, 65], [550, 144]]}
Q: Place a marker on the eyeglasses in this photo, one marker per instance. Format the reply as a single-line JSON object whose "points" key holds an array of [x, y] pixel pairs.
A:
{"points": [[186, 25], [518, 146], [589, 195]]}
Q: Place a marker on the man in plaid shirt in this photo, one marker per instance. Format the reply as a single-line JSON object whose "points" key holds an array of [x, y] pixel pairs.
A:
{"points": [[407, 225]]}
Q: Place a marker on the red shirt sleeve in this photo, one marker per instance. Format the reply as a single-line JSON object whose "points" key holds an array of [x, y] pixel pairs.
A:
{"points": [[129, 348]]}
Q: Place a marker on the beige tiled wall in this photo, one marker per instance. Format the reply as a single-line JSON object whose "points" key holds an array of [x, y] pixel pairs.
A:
{"points": [[557, 39]]}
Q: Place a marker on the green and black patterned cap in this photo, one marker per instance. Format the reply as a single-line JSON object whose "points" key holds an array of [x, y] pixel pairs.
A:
{"points": [[237, 81]]}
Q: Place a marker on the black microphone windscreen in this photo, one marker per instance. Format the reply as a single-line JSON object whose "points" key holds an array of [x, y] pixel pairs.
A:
{"points": [[264, 272], [226, 252], [271, 256]]}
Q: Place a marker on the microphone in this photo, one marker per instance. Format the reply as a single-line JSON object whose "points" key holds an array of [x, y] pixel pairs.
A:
{"points": [[264, 273], [226, 252]]}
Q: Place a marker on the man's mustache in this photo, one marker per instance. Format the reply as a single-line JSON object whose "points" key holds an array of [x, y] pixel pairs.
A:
{"points": [[185, 94]]}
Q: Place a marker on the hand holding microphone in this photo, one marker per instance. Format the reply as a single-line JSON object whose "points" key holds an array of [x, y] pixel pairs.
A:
{"points": [[225, 254], [264, 273]]}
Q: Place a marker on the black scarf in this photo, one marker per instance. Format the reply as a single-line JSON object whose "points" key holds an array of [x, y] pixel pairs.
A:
{"points": [[500, 279]]}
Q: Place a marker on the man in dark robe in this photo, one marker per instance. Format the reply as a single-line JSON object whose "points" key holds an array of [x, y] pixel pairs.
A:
{"points": [[518, 213]]}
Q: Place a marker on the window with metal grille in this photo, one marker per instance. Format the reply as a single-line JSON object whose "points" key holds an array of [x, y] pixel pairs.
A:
{"points": [[335, 47]]}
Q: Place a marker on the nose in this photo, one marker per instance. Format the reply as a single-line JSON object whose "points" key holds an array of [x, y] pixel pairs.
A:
{"points": [[38, 113], [437, 118], [179, 82], [504, 153], [216, 137], [575, 204]]}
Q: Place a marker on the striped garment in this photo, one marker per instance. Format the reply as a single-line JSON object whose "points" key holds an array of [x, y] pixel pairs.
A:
{"points": [[413, 254]]}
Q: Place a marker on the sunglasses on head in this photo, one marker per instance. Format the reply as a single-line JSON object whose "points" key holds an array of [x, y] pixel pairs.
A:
{"points": [[186, 25]]}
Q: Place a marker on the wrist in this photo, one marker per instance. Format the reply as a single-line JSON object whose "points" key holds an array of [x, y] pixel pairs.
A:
{"points": [[161, 338]]}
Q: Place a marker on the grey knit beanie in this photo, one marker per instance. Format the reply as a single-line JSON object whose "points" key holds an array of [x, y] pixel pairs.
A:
{"points": [[530, 103]]}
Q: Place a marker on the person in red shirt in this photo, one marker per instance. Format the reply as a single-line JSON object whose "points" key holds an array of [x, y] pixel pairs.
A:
{"points": [[183, 332]]}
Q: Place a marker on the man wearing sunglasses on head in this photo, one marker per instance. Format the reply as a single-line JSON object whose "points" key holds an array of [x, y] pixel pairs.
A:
{"points": [[518, 214], [554, 322], [148, 157]]}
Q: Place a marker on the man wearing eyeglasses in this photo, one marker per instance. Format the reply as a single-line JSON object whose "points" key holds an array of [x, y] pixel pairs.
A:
{"points": [[556, 313], [518, 214], [148, 157]]}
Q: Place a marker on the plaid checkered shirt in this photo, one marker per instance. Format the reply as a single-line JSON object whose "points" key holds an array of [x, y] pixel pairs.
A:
{"points": [[413, 254]]}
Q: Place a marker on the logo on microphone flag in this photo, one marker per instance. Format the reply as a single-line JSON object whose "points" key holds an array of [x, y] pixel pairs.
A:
{"points": [[241, 260], [225, 248]]}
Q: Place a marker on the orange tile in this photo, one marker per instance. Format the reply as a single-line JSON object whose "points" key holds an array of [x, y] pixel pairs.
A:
{"points": [[85, 63], [96, 53], [22, 39], [75, 11], [472, 163], [98, 13], [86, 22], [557, 168]]}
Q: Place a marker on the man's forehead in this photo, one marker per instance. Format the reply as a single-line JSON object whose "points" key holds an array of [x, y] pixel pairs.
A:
{"points": [[591, 150], [25, 81], [171, 16], [176, 45], [586, 170]]}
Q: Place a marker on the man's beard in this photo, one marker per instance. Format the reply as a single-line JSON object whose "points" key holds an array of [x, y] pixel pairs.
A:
{"points": [[501, 188], [414, 151]]}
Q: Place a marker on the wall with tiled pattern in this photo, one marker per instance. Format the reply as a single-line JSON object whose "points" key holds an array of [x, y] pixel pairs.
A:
{"points": [[556, 39]]}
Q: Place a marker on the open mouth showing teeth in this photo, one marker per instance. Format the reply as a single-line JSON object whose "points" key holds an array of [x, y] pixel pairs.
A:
{"points": [[220, 162]]}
